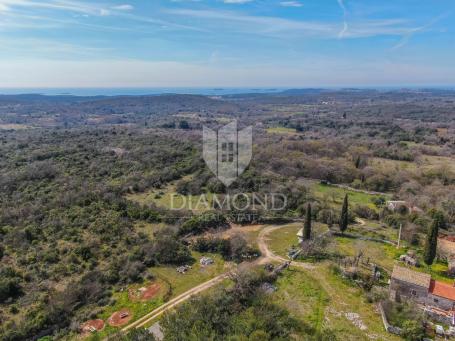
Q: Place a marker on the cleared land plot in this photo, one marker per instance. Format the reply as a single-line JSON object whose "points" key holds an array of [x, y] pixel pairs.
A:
{"points": [[135, 308], [249, 232], [424, 163], [382, 254], [335, 195], [194, 276], [281, 130], [320, 299], [13, 126], [168, 198], [120, 318], [285, 238], [149, 228]]}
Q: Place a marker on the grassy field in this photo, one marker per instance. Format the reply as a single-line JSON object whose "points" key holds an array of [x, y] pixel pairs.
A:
{"points": [[302, 297], [387, 164], [138, 308], [12, 126], [172, 284], [382, 254], [322, 299], [148, 228], [432, 162], [335, 195], [424, 162], [281, 130], [195, 276], [281, 240], [168, 198], [374, 229]]}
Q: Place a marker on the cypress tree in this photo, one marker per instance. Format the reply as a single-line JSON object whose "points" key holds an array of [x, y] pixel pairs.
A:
{"points": [[357, 162], [344, 215], [431, 242], [307, 225]]}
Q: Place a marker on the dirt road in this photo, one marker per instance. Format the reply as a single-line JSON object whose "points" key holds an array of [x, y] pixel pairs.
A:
{"points": [[267, 256], [175, 301]]}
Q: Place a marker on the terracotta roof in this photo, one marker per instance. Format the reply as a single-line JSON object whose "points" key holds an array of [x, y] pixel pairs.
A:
{"points": [[410, 276], [442, 290], [448, 238]]}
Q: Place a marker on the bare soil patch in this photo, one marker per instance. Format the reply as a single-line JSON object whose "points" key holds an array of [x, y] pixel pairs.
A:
{"points": [[144, 293], [92, 326], [120, 318]]}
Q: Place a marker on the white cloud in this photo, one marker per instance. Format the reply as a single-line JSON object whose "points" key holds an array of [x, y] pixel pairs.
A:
{"points": [[236, 1], [125, 7], [291, 4], [345, 22], [104, 12], [260, 24], [288, 28], [64, 5]]}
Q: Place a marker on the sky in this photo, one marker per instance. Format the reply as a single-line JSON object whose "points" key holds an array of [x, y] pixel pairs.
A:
{"points": [[231, 43]]}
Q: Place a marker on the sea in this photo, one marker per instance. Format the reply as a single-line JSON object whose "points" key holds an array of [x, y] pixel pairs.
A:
{"points": [[215, 91], [136, 91]]}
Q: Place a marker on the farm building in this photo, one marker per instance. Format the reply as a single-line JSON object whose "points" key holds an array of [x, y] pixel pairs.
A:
{"points": [[408, 284]]}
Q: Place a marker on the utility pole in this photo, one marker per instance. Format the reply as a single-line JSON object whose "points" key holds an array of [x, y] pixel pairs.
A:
{"points": [[399, 236]]}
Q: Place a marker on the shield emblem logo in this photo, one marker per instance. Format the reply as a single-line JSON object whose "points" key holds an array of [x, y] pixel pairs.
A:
{"points": [[227, 152]]}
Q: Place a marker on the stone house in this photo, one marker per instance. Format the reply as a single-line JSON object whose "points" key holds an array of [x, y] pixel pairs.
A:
{"points": [[421, 288]]}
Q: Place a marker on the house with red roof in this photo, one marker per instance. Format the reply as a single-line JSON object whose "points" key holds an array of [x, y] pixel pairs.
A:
{"points": [[421, 288]]}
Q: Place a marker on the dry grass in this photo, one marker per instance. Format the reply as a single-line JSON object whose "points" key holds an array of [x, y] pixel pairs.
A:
{"points": [[13, 126]]}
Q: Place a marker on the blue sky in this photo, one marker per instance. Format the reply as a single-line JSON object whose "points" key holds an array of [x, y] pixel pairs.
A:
{"points": [[238, 43]]}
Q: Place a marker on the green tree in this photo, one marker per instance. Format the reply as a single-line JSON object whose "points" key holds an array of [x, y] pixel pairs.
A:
{"points": [[413, 330], [344, 218], [307, 225], [431, 242]]}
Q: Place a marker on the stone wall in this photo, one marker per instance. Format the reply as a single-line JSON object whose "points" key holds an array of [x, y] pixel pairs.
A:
{"points": [[404, 289]]}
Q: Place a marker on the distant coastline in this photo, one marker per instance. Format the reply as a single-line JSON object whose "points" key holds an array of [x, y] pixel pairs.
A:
{"points": [[218, 91], [214, 91]]}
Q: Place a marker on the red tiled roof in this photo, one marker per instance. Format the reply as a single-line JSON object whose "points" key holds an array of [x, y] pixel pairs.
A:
{"points": [[442, 290]]}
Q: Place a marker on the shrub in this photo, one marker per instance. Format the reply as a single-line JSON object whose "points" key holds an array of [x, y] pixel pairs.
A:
{"points": [[366, 212], [203, 222]]}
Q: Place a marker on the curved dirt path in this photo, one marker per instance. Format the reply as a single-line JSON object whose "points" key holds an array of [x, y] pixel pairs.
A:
{"points": [[175, 301], [267, 256]]}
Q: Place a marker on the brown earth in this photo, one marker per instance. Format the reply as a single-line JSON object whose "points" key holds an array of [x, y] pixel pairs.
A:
{"points": [[151, 292], [116, 320], [86, 327], [144, 293]]}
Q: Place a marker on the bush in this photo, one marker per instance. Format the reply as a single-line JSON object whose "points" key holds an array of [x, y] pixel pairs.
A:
{"points": [[203, 222], [394, 220], [366, 212], [10, 288], [413, 330], [235, 248]]}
